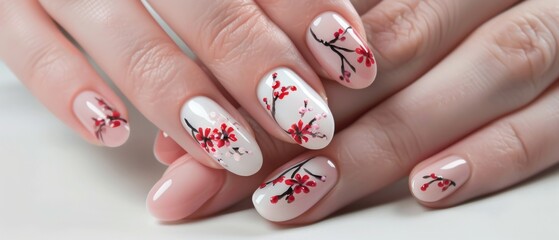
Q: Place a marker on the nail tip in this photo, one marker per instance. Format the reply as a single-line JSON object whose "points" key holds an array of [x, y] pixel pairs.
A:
{"points": [[254, 168], [118, 141]]}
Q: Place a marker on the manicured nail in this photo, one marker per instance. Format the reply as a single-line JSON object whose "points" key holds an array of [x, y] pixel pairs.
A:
{"points": [[341, 51], [179, 192], [223, 138], [440, 179], [296, 108], [295, 190], [101, 119]]}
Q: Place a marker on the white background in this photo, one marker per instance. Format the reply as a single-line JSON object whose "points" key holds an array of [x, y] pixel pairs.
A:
{"points": [[53, 185]]}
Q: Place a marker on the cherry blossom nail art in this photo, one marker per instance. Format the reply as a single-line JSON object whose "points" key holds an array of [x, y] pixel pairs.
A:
{"points": [[341, 51], [295, 190], [223, 138], [440, 179], [101, 119], [297, 108]]}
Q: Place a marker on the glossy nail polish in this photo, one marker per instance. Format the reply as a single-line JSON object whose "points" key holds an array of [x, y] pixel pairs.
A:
{"points": [[221, 136], [179, 192], [296, 108], [101, 119], [340, 50], [440, 179], [295, 190]]}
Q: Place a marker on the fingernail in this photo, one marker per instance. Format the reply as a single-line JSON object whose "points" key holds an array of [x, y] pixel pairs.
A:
{"points": [[183, 189], [221, 136], [296, 108], [295, 190], [101, 119], [340, 50], [440, 179]]}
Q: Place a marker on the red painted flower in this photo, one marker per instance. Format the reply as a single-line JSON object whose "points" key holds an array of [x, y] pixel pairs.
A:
{"points": [[338, 33], [204, 137], [300, 184], [278, 180], [225, 135], [365, 54], [298, 132]]}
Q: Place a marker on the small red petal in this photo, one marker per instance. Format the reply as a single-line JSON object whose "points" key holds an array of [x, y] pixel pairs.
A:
{"points": [[276, 84], [290, 199], [360, 59], [359, 50], [115, 124], [297, 189], [274, 199], [116, 114]]}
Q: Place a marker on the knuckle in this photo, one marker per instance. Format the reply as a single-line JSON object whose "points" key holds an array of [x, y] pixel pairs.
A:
{"points": [[234, 25], [526, 46], [511, 145], [405, 29], [48, 65], [153, 67], [7, 9], [393, 138]]}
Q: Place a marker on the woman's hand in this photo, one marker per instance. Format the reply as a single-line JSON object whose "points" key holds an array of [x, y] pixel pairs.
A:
{"points": [[263, 53], [484, 118]]}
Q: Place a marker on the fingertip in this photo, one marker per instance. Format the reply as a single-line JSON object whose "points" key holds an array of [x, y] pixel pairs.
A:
{"points": [[183, 189], [165, 149]]}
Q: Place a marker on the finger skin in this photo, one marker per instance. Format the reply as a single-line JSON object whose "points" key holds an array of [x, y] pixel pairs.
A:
{"points": [[500, 155], [243, 48], [158, 78], [433, 113], [57, 73], [361, 101], [165, 149]]}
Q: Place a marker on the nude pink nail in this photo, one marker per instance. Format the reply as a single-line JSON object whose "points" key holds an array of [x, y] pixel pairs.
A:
{"points": [[101, 119], [440, 179], [184, 187], [295, 190], [341, 51]]}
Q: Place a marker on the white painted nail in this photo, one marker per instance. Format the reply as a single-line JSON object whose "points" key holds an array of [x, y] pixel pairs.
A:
{"points": [[223, 138], [295, 190], [296, 108]]}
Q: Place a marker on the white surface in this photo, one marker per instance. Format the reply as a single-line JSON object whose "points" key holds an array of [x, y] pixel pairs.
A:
{"points": [[56, 186]]}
